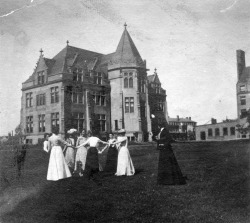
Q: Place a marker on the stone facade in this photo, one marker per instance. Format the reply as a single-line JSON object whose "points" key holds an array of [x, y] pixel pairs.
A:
{"points": [[87, 90]]}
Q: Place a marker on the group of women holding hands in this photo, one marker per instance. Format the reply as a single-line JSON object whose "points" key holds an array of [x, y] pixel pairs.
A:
{"points": [[69, 158]]}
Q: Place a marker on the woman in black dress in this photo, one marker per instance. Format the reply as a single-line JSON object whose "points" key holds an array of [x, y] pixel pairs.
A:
{"points": [[92, 161], [169, 172], [111, 162]]}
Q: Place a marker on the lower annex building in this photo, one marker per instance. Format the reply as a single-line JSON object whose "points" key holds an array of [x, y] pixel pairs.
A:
{"points": [[228, 129]]}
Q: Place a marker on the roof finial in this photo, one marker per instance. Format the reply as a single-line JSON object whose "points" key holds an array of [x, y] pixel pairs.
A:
{"points": [[125, 25], [155, 71], [41, 51], [67, 42]]}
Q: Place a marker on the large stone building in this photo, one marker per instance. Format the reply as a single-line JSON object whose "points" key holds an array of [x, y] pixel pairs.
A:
{"points": [[81, 89], [227, 129]]}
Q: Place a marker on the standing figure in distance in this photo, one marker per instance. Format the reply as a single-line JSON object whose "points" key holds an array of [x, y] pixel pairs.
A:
{"points": [[112, 155], [20, 154], [81, 152], [125, 165], [58, 168], [70, 152], [169, 172]]}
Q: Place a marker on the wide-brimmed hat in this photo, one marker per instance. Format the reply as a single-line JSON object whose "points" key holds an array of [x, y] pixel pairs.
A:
{"points": [[121, 131], [71, 131]]}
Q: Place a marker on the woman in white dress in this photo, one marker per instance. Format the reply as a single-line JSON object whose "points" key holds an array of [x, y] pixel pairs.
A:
{"points": [[125, 165], [58, 168], [81, 152], [70, 152]]}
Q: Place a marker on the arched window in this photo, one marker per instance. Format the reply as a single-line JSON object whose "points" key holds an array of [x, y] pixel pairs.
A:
{"points": [[125, 82], [130, 80]]}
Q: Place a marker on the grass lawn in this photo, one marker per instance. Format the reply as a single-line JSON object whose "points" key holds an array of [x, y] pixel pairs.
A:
{"points": [[217, 190]]}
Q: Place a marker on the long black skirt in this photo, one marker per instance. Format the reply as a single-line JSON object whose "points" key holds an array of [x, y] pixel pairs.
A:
{"points": [[169, 172], [92, 164], [111, 162]]}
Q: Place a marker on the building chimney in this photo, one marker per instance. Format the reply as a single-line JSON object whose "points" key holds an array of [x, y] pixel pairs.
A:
{"points": [[189, 118], [241, 64], [213, 121], [178, 119]]}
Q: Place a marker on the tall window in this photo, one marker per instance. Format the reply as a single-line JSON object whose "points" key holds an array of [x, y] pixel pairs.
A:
{"points": [[41, 123], [210, 132], [78, 121], [41, 77], [160, 105], [157, 88], [232, 130], [78, 74], [143, 110], [102, 122], [77, 97], [97, 78], [29, 124], [128, 80], [55, 119], [125, 80], [40, 99], [116, 124], [54, 94], [243, 88], [243, 113], [217, 132], [99, 98], [129, 104], [29, 100], [225, 131], [243, 100], [142, 86]]}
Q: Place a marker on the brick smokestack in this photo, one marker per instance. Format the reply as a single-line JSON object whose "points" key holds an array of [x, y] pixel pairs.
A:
{"points": [[241, 64]]}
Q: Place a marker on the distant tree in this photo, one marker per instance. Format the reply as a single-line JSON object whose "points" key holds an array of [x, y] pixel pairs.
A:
{"points": [[18, 129]]}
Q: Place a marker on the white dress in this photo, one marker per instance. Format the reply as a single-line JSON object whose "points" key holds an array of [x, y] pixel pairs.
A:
{"points": [[124, 163], [70, 154], [57, 169], [81, 153]]}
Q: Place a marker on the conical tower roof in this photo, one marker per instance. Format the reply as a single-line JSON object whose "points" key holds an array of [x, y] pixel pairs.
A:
{"points": [[126, 54]]}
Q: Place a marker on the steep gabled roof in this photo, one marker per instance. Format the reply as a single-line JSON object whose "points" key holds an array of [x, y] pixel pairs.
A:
{"points": [[126, 54], [72, 56], [153, 78]]}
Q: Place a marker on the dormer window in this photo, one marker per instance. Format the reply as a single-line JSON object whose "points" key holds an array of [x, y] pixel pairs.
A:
{"points": [[77, 75], [41, 77], [97, 77]]}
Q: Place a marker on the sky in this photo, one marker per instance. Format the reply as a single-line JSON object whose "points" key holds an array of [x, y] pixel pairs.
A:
{"points": [[192, 44]]}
